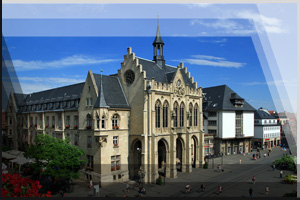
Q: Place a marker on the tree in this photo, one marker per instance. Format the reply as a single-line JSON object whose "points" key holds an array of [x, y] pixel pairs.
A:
{"points": [[286, 162], [55, 157]]}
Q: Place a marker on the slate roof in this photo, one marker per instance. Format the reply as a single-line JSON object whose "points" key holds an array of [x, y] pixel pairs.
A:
{"points": [[260, 114], [166, 75], [111, 93], [53, 99], [219, 98], [158, 39]]}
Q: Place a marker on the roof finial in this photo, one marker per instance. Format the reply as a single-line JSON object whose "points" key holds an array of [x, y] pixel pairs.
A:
{"points": [[157, 18]]}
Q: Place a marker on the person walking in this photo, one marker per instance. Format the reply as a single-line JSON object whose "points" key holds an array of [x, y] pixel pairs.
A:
{"points": [[240, 161], [267, 190], [202, 187], [274, 167], [250, 191], [254, 179], [281, 173], [220, 189], [127, 187], [187, 188]]}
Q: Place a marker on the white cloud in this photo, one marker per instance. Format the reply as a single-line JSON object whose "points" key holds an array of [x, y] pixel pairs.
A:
{"points": [[211, 61], [217, 41], [36, 84], [199, 5], [229, 23], [263, 23], [289, 83], [21, 65], [51, 79]]}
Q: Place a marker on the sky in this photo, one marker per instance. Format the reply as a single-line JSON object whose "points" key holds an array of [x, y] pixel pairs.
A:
{"points": [[55, 45]]}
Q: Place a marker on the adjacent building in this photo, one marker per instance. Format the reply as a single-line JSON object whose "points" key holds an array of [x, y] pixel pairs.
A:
{"points": [[266, 130], [229, 121], [144, 120]]}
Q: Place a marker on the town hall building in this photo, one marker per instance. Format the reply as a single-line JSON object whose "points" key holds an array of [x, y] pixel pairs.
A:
{"points": [[143, 121]]}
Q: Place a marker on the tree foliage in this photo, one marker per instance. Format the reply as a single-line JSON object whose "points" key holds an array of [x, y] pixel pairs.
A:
{"points": [[286, 162], [55, 157]]}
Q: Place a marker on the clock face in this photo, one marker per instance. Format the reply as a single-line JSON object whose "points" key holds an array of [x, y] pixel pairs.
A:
{"points": [[129, 76], [178, 82]]}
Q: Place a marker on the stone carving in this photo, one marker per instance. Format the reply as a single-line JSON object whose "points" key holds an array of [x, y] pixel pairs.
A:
{"points": [[179, 91]]}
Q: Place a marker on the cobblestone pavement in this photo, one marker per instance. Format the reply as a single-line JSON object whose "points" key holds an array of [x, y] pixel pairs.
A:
{"points": [[236, 180]]}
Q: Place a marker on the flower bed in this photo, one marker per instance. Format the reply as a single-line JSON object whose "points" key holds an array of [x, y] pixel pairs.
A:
{"points": [[13, 185]]}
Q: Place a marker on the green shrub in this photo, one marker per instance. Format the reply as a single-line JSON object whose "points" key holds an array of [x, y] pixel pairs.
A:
{"points": [[292, 194], [291, 179], [205, 165], [159, 180], [287, 161]]}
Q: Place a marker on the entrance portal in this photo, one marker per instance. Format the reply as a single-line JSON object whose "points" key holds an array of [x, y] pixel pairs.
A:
{"points": [[137, 158], [179, 154]]}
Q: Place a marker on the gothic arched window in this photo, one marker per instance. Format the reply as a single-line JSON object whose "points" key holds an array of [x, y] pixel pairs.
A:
{"points": [[175, 114], [157, 114], [165, 114], [103, 122], [196, 115], [191, 115], [115, 121], [181, 117], [98, 122]]}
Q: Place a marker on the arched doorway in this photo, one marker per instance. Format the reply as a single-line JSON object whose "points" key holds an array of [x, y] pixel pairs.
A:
{"points": [[179, 147], [194, 151], [162, 153], [137, 158]]}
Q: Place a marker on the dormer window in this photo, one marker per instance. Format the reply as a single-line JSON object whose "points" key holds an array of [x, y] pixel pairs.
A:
{"points": [[236, 100]]}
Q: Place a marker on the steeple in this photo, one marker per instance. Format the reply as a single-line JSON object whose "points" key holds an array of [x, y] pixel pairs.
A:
{"points": [[158, 48]]}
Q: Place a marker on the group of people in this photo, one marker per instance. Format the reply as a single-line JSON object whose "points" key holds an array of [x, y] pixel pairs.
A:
{"points": [[142, 191], [267, 190]]}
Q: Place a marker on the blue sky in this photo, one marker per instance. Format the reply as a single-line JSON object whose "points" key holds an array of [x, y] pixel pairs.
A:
{"points": [[211, 60], [48, 51]]}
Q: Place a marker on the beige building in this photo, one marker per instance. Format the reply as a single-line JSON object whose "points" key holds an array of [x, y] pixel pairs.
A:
{"points": [[146, 118]]}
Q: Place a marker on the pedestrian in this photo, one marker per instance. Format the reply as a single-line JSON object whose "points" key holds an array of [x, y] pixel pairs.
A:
{"points": [[61, 192], [202, 187], [219, 168], [250, 191], [127, 188], [91, 184], [274, 167], [254, 179], [240, 161], [281, 173], [187, 188], [267, 190], [220, 189]]}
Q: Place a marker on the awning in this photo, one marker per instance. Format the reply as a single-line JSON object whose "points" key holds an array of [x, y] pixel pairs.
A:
{"points": [[15, 152], [8, 156]]}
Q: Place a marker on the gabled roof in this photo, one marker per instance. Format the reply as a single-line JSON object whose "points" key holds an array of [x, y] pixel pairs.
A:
{"points": [[260, 114], [110, 92], [56, 95], [220, 98], [153, 70]]}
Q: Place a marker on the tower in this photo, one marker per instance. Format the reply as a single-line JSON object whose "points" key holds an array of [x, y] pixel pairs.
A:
{"points": [[158, 49]]}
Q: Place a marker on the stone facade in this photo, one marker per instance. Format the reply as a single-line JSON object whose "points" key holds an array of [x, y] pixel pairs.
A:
{"points": [[147, 118]]}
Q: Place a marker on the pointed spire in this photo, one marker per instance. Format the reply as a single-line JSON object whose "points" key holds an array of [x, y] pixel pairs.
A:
{"points": [[102, 102], [158, 39]]}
